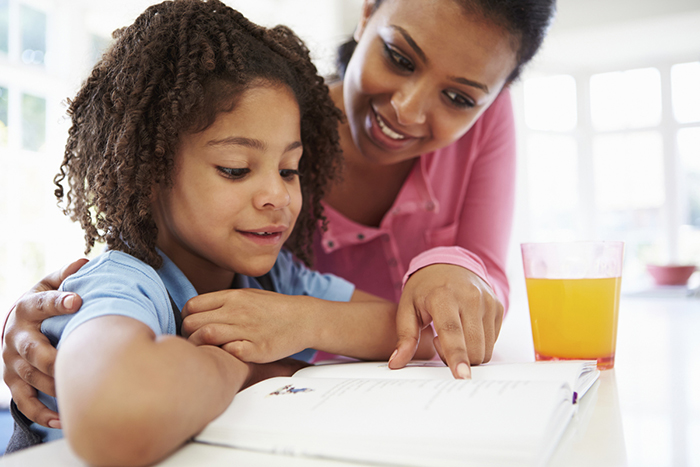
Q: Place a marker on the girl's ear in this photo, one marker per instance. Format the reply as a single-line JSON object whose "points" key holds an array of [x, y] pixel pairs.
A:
{"points": [[368, 7]]}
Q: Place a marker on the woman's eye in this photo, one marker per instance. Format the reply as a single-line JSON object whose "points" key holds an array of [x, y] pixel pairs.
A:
{"points": [[233, 174], [289, 174], [397, 59], [458, 100]]}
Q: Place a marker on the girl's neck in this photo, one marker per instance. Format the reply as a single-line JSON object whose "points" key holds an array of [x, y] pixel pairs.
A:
{"points": [[205, 281], [203, 275]]}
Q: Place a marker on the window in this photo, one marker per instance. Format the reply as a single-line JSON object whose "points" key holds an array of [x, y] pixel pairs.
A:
{"points": [[98, 46], [33, 122], [32, 228], [626, 99], [4, 26], [4, 109], [552, 167], [689, 150], [33, 35], [685, 86], [550, 103], [605, 161]]}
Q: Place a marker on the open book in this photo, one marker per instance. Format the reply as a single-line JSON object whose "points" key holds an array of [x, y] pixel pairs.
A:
{"points": [[508, 414]]}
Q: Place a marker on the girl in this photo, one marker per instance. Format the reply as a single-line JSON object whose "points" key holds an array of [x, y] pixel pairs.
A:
{"points": [[197, 144]]}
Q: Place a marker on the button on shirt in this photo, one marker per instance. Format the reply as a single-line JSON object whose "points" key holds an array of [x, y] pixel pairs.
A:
{"points": [[455, 207]]}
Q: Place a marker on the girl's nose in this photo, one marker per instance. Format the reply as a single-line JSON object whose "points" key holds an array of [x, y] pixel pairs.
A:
{"points": [[273, 193], [409, 103]]}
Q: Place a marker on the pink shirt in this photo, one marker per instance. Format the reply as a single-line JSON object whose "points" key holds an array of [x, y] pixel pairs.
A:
{"points": [[455, 207]]}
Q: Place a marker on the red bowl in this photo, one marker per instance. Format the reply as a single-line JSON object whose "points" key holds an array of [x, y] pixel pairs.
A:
{"points": [[670, 274]]}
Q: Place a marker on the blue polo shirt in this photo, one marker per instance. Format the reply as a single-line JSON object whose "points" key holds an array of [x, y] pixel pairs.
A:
{"points": [[116, 283]]}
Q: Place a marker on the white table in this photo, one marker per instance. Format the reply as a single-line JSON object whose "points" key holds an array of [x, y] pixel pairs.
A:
{"points": [[645, 412]]}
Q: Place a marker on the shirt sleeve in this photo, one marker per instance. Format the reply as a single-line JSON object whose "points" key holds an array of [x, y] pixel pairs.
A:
{"points": [[114, 284], [485, 222], [291, 277]]}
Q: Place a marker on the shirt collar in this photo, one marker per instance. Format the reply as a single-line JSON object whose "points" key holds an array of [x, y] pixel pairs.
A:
{"points": [[178, 286]]}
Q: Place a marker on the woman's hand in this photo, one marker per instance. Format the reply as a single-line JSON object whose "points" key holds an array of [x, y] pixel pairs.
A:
{"points": [[28, 355], [255, 326], [465, 313]]}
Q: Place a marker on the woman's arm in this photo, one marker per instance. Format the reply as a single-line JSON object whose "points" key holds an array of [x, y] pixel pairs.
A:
{"points": [[129, 397], [261, 326], [28, 356], [463, 290]]}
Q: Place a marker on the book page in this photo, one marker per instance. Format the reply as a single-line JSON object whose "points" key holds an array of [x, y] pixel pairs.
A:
{"points": [[578, 374], [413, 422]]}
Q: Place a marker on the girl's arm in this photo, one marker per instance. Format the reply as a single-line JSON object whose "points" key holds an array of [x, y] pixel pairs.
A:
{"points": [[261, 326], [129, 397]]}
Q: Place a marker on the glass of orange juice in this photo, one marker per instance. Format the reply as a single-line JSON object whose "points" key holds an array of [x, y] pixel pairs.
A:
{"points": [[573, 291]]}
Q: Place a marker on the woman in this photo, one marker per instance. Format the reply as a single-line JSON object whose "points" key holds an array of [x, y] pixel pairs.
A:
{"points": [[423, 213]]}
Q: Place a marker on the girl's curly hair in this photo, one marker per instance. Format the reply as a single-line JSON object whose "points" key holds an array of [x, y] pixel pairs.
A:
{"points": [[173, 71]]}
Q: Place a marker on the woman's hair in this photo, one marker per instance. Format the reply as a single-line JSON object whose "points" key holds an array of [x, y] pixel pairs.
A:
{"points": [[172, 72], [526, 20]]}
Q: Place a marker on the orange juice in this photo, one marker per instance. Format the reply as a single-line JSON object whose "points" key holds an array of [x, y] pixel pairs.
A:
{"points": [[574, 318]]}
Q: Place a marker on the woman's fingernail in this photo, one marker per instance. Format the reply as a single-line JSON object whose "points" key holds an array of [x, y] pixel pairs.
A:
{"points": [[68, 301], [464, 371], [393, 355], [55, 424]]}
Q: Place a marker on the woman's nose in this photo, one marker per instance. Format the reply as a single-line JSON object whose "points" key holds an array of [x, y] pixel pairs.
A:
{"points": [[273, 193], [409, 103]]}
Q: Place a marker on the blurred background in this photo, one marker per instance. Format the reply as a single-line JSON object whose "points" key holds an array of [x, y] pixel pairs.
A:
{"points": [[608, 118]]}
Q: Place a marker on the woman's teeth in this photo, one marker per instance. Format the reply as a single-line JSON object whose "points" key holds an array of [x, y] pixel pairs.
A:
{"points": [[386, 130], [261, 234]]}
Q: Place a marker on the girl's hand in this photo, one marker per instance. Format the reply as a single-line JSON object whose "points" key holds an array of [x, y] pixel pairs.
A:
{"points": [[28, 355], [465, 313], [255, 326]]}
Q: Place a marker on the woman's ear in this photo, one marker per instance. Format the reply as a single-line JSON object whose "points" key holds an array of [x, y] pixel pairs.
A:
{"points": [[368, 7]]}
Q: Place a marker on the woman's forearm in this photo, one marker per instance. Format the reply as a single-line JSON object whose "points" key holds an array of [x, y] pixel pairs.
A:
{"points": [[130, 398]]}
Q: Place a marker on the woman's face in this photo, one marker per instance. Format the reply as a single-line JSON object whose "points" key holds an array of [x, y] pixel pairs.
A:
{"points": [[422, 73]]}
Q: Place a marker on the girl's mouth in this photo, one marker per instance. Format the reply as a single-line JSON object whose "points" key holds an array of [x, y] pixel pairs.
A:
{"points": [[263, 237]]}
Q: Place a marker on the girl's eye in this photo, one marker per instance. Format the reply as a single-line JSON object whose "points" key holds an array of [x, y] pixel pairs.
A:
{"points": [[233, 174], [289, 174], [458, 100], [398, 60]]}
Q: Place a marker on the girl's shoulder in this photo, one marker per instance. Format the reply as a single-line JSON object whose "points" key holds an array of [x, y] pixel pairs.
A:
{"points": [[115, 283], [115, 262]]}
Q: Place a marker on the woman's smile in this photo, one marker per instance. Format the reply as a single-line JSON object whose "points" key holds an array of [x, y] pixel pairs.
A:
{"points": [[385, 134]]}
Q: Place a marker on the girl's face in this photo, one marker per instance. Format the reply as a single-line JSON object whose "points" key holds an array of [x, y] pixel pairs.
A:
{"points": [[235, 195], [422, 73]]}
